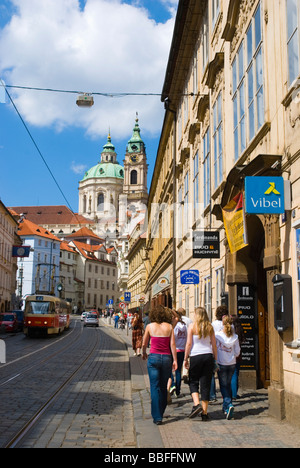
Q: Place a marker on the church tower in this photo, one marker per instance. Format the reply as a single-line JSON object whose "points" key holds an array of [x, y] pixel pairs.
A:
{"points": [[135, 171]]}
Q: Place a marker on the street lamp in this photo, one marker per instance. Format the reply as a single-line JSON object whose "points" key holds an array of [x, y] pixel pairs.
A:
{"points": [[85, 100]]}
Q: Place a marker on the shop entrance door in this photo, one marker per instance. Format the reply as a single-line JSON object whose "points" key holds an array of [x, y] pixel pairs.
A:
{"points": [[263, 329]]}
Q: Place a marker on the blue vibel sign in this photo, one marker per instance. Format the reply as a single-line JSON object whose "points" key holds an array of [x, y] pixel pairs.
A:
{"points": [[264, 195]]}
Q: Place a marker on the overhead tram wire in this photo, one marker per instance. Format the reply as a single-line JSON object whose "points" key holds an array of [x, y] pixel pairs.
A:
{"points": [[112, 94], [36, 146]]}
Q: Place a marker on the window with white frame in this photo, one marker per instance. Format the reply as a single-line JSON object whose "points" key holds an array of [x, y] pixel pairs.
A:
{"points": [[293, 39], [196, 295], [195, 74], [248, 86], [196, 186], [220, 285], [205, 41], [215, 11], [206, 168], [218, 141], [186, 203], [207, 294], [179, 214], [187, 301]]}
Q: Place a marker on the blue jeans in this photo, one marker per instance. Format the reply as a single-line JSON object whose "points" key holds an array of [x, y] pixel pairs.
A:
{"points": [[180, 359], [235, 380], [159, 370], [225, 375]]}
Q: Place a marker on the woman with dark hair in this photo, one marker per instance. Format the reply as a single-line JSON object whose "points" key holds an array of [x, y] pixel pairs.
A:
{"points": [[137, 334], [161, 359]]}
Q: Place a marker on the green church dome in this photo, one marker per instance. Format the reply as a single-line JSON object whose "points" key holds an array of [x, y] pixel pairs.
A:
{"points": [[105, 170], [108, 166]]}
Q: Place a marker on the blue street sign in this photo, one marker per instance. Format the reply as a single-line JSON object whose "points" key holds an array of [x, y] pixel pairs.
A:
{"points": [[264, 195], [110, 302], [127, 296], [189, 277]]}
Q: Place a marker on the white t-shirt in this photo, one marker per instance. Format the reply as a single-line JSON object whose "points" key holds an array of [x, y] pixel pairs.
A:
{"points": [[201, 346]]}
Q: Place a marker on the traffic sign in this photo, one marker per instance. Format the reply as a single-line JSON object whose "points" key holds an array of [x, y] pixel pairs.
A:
{"points": [[110, 301], [122, 305], [127, 296]]}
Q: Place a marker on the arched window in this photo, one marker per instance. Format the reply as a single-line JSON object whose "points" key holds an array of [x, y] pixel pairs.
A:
{"points": [[100, 202], [84, 203], [133, 177]]}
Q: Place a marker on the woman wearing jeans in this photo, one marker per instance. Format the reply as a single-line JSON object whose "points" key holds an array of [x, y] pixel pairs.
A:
{"points": [[228, 350], [161, 358]]}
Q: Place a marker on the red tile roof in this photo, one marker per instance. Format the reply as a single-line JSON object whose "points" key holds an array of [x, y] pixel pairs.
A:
{"points": [[58, 214], [27, 228]]}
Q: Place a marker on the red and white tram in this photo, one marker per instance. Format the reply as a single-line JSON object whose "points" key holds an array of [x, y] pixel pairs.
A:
{"points": [[47, 314]]}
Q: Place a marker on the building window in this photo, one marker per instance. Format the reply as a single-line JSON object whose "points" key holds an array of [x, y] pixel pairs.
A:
{"points": [[196, 186], [179, 215], [218, 141], [133, 177], [248, 86], [186, 203], [207, 294], [100, 202], [220, 285], [206, 168], [293, 40], [215, 11]]}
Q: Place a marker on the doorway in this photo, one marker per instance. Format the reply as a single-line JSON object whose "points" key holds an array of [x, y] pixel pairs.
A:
{"points": [[256, 238]]}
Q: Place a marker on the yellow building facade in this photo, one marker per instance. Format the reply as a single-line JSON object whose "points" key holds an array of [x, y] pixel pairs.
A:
{"points": [[232, 114]]}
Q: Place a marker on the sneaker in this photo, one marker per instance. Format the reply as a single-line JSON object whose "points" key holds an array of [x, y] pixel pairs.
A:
{"points": [[229, 413], [172, 389], [195, 410], [205, 417], [169, 398]]}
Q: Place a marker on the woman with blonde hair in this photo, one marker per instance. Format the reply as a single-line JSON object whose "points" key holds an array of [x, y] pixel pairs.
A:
{"points": [[202, 350], [228, 350]]}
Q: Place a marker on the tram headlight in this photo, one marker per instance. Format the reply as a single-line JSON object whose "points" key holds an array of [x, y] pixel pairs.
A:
{"points": [[45, 323], [29, 322]]}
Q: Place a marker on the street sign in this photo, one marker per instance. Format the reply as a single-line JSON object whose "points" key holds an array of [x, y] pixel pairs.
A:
{"points": [[110, 301], [264, 195], [206, 244], [127, 296], [122, 305], [189, 277]]}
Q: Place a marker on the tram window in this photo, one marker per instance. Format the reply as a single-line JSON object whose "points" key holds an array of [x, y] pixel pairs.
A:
{"points": [[38, 307]]}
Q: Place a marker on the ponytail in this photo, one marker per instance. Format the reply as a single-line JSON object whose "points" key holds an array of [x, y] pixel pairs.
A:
{"points": [[227, 323]]}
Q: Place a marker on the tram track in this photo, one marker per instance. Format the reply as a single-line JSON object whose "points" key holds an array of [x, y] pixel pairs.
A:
{"points": [[33, 381], [13, 443]]}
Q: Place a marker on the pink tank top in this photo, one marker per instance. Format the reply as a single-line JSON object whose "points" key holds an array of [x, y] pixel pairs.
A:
{"points": [[160, 345]]}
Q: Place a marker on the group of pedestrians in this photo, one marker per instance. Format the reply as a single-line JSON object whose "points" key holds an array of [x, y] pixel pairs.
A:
{"points": [[201, 347]]}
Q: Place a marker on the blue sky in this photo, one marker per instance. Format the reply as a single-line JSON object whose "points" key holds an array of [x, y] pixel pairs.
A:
{"points": [[95, 46]]}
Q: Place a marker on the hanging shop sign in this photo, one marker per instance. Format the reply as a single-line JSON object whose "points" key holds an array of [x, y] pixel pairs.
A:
{"points": [[264, 195], [206, 244], [246, 306], [21, 251], [234, 222]]}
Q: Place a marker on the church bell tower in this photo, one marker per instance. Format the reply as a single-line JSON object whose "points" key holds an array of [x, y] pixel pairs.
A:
{"points": [[135, 171]]}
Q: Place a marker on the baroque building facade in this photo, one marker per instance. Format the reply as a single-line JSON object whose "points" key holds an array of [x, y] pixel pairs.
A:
{"points": [[232, 112]]}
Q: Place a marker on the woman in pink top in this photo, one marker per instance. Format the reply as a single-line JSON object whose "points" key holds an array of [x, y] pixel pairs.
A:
{"points": [[161, 358]]}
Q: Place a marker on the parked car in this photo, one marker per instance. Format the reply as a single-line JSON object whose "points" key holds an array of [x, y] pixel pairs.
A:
{"points": [[9, 322], [83, 316], [20, 318], [91, 320]]}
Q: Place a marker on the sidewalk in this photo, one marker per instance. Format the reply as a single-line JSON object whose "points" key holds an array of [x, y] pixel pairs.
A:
{"points": [[251, 427]]}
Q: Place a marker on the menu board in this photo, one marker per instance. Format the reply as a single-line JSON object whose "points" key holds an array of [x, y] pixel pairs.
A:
{"points": [[247, 313]]}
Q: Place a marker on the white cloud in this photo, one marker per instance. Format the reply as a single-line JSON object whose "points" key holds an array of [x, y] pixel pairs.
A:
{"points": [[108, 47], [78, 168]]}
